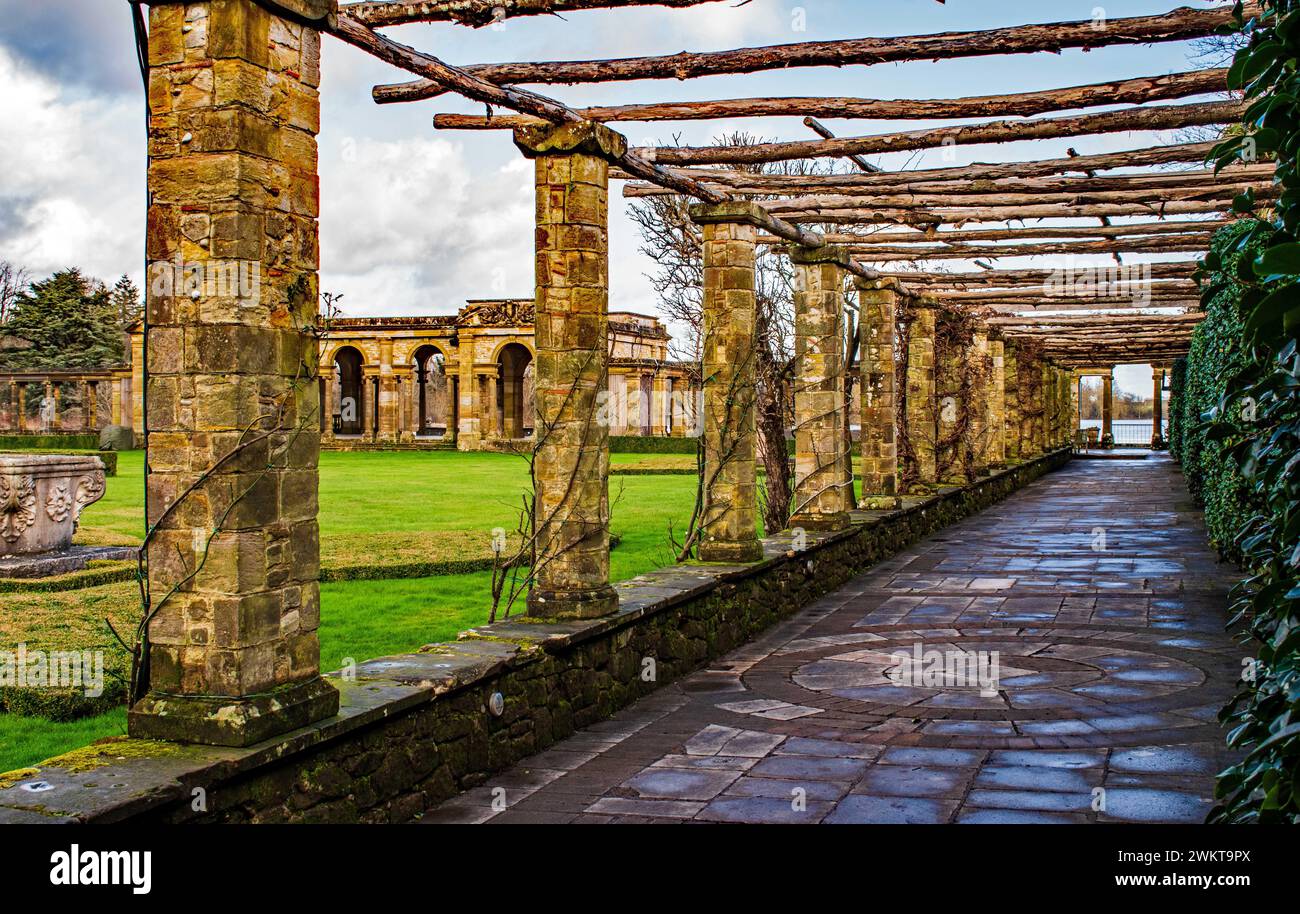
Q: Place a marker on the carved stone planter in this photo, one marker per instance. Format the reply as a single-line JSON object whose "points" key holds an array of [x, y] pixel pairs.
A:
{"points": [[41, 498]]}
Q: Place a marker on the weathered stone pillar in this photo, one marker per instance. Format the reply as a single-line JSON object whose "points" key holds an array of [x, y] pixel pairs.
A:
{"points": [[822, 490], [115, 406], [659, 406], [877, 391], [948, 359], [1108, 404], [995, 454], [20, 409], [327, 402], [87, 406], [1011, 400], [1075, 423], [729, 518], [233, 565], [981, 405], [1157, 407], [922, 421], [572, 463]]}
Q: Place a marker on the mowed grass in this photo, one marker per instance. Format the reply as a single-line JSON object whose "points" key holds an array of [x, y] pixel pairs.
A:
{"points": [[374, 507]]}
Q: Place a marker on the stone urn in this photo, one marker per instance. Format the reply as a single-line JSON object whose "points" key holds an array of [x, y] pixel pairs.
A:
{"points": [[41, 498]]}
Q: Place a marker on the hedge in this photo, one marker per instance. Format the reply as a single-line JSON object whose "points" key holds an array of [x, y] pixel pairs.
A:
{"points": [[61, 443], [1218, 353]]}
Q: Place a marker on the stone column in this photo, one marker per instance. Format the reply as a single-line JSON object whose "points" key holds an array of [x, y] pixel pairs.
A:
{"points": [[948, 361], [877, 391], [15, 407], [572, 463], [233, 566], [1157, 407], [20, 409], [822, 492], [327, 403], [1107, 403], [977, 441], [730, 513], [995, 455], [922, 410], [1075, 423], [1011, 401], [115, 406], [659, 406], [87, 406]]}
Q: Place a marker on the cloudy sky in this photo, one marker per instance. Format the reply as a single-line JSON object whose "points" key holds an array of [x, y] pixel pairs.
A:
{"points": [[415, 221]]}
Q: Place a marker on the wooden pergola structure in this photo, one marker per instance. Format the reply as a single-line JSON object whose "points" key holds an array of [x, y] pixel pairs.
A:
{"points": [[235, 159]]}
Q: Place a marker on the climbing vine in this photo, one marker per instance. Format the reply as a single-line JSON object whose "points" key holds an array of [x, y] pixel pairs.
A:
{"points": [[1257, 423]]}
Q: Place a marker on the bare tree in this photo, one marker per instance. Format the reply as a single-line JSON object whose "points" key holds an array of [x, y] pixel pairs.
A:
{"points": [[674, 243], [13, 280]]}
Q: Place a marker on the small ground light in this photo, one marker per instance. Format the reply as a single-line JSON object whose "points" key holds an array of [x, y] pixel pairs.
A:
{"points": [[497, 704]]}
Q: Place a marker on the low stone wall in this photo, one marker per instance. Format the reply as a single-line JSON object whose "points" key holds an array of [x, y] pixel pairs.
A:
{"points": [[415, 729]]}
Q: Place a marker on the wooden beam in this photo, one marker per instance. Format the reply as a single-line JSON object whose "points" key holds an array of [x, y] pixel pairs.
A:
{"points": [[1171, 229], [1176, 25], [399, 55], [1143, 195], [985, 171], [954, 215], [1051, 184], [1178, 244], [1174, 270], [1155, 117], [478, 13], [1136, 91]]}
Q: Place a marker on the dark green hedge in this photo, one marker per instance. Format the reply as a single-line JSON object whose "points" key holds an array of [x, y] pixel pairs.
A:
{"points": [[1177, 390], [637, 444], [60, 443], [1218, 353], [1257, 423]]}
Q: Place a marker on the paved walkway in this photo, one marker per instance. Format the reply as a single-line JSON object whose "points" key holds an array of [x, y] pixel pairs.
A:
{"points": [[1105, 607]]}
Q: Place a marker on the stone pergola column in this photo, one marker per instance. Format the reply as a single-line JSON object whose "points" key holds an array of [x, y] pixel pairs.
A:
{"points": [[1030, 378], [387, 405], [659, 406], [877, 391], [20, 408], [234, 564], [822, 492], [728, 524], [1108, 403], [1157, 406], [572, 456], [922, 418], [977, 434], [995, 453], [1011, 400], [948, 360]]}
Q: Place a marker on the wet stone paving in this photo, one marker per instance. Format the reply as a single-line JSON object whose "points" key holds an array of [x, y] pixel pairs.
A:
{"points": [[1093, 589]]}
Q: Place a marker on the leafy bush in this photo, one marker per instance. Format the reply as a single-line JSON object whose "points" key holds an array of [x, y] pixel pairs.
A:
{"points": [[1177, 388], [1218, 353], [1257, 424]]}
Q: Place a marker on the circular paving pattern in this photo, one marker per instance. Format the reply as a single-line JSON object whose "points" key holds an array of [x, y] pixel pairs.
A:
{"points": [[980, 687]]}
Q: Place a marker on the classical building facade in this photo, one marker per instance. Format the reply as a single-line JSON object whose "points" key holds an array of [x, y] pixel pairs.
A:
{"points": [[466, 380]]}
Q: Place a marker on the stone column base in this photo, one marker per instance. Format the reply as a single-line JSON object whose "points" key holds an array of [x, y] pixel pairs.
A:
{"points": [[732, 553], [826, 523], [573, 604], [223, 720]]}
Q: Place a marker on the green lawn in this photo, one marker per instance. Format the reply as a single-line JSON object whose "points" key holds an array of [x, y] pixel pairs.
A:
{"points": [[373, 506]]}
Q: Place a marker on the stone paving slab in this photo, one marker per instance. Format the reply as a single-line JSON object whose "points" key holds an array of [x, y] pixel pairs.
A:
{"points": [[1094, 591]]}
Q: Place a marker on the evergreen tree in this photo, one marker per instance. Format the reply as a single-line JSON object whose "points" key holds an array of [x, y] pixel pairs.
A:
{"points": [[70, 322], [126, 302]]}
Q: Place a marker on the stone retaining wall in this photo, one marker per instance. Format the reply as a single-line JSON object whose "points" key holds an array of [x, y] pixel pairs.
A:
{"points": [[415, 729]]}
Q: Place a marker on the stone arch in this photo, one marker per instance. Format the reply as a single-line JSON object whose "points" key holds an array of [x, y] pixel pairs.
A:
{"points": [[349, 400], [514, 390], [434, 401]]}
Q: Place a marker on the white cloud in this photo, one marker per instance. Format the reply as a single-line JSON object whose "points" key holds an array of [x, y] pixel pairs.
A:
{"points": [[73, 190]]}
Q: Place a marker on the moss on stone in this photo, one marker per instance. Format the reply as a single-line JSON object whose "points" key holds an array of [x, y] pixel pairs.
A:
{"points": [[109, 750]]}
